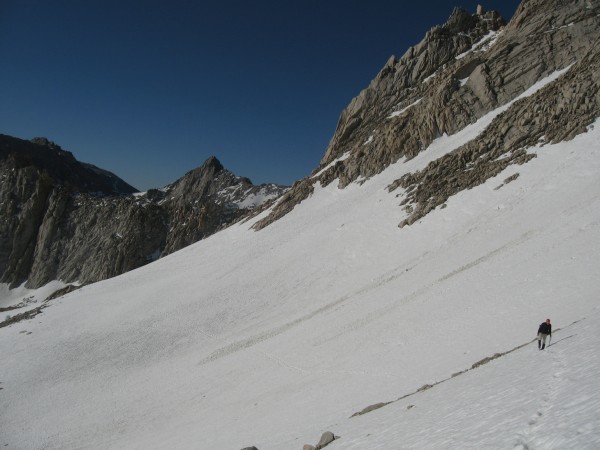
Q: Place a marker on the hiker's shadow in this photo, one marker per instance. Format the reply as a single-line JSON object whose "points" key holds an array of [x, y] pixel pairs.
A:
{"points": [[560, 340]]}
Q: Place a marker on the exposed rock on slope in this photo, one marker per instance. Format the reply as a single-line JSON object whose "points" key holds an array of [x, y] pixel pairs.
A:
{"points": [[556, 113], [458, 73], [68, 221], [207, 199]]}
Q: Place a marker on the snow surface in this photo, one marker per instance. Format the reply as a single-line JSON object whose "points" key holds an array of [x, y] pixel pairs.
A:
{"points": [[529, 400], [270, 338], [331, 164], [484, 44], [258, 198], [22, 295], [398, 113]]}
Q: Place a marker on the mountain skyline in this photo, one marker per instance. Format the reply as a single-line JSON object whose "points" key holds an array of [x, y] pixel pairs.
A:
{"points": [[272, 338], [391, 299], [151, 93]]}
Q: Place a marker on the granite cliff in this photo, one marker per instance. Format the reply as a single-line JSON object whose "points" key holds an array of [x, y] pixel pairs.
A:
{"points": [[77, 223], [70, 221], [473, 64]]}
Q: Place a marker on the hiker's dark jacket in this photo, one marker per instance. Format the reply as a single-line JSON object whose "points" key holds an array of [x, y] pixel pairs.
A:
{"points": [[545, 328]]}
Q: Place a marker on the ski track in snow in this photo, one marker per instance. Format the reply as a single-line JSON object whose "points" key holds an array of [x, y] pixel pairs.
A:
{"points": [[370, 317], [382, 312], [551, 378]]}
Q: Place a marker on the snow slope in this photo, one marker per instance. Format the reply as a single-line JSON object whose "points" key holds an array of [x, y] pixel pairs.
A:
{"points": [[270, 338], [524, 400]]}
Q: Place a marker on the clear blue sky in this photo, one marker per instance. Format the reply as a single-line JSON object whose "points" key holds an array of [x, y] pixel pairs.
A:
{"points": [[150, 89]]}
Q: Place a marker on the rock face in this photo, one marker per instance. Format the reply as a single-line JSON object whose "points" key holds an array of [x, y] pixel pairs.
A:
{"points": [[65, 220], [326, 438], [460, 71]]}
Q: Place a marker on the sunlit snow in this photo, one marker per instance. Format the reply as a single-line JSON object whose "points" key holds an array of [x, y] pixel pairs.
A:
{"points": [[397, 113], [484, 44], [270, 338], [345, 156]]}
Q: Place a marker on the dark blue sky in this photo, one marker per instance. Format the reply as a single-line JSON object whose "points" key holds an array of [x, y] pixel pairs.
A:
{"points": [[150, 89]]}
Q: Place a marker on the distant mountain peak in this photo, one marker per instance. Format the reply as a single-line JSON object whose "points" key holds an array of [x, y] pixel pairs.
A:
{"points": [[214, 163], [45, 142], [69, 220]]}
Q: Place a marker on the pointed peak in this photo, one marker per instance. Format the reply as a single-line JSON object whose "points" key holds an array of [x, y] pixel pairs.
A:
{"points": [[460, 20], [213, 162]]}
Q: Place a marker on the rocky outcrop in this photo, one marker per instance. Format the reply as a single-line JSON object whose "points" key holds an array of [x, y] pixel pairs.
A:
{"points": [[207, 199], [556, 113], [326, 438], [84, 238], [64, 220], [460, 71]]}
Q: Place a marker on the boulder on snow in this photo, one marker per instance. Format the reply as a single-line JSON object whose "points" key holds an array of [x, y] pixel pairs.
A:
{"points": [[326, 438], [370, 408]]}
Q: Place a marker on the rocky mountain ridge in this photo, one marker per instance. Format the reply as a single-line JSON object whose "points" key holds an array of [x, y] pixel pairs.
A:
{"points": [[70, 221], [472, 65], [47, 157], [459, 72]]}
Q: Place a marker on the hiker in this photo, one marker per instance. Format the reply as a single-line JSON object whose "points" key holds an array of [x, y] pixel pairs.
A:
{"points": [[544, 331]]}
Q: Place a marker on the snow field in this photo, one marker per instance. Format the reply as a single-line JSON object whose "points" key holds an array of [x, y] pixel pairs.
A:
{"points": [[270, 338], [526, 399]]}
